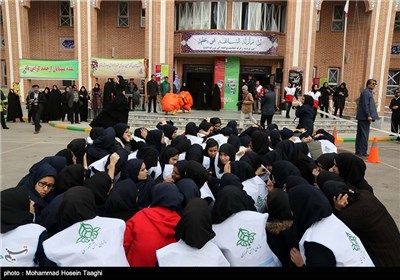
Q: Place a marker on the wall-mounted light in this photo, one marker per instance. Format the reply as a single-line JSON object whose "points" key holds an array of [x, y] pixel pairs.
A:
{"points": [[72, 3], [112, 52], [94, 3], [397, 4], [22, 2], [1, 2], [144, 4]]}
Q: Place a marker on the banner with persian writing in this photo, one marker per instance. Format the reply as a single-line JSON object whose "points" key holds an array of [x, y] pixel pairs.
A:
{"points": [[48, 69], [229, 42], [110, 67], [232, 71]]}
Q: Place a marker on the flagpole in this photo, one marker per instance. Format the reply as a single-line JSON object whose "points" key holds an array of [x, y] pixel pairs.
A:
{"points": [[344, 39]]}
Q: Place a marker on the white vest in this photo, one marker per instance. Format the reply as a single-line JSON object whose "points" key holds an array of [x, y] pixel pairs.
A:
{"points": [[167, 173], [157, 170], [327, 147], [133, 155], [206, 192], [257, 189], [99, 165], [335, 235], [182, 156], [18, 246], [181, 254], [96, 242], [220, 138], [243, 240], [194, 139]]}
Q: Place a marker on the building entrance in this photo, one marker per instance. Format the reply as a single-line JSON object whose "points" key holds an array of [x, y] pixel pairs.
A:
{"points": [[195, 76]]}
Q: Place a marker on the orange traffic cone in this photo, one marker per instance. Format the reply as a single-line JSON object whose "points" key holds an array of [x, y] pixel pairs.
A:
{"points": [[335, 136], [374, 153]]}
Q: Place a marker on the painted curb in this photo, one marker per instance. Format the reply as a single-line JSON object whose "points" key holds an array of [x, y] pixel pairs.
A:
{"points": [[69, 127]]}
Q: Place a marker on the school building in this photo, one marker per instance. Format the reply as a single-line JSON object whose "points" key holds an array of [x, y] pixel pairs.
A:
{"points": [[217, 42]]}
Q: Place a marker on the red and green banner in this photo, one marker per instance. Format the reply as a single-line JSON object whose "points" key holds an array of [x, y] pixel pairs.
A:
{"points": [[219, 76], [232, 73], [48, 69]]}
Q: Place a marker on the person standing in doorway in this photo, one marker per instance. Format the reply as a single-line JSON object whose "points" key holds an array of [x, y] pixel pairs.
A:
{"points": [[395, 107], [366, 113], [152, 93], [165, 87], [247, 107], [3, 110], [268, 106]]}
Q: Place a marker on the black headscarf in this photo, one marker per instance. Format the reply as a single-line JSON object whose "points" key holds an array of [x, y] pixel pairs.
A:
{"points": [[197, 172], [166, 195], [281, 169], [233, 125], [15, 206], [78, 147], [57, 162], [121, 202], [195, 226], [252, 158], [181, 143], [278, 205], [67, 154], [42, 171], [189, 189], [99, 184], [295, 180], [149, 155], [235, 141], [191, 129], [138, 132], [309, 205], [352, 170], [332, 189], [231, 200], [230, 151], [120, 129], [154, 138], [245, 140], [230, 179], [78, 205], [325, 161], [131, 171], [286, 133], [168, 153], [324, 176], [195, 153], [275, 137], [169, 130], [243, 170], [273, 126], [260, 142], [95, 132], [70, 176]]}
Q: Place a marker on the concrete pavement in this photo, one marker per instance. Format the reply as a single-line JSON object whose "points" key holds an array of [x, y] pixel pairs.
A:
{"points": [[20, 149]]}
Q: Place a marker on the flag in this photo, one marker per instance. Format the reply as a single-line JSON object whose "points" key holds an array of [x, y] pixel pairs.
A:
{"points": [[346, 7]]}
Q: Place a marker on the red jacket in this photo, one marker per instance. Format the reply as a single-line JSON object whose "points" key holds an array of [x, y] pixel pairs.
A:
{"points": [[147, 231]]}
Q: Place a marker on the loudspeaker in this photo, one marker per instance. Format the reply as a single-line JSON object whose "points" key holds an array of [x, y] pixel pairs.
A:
{"points": [[279, 75]]}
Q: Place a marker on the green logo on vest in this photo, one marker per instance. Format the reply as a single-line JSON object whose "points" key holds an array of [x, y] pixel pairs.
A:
{"points": [[245, 237], [353, 240], [260, 202], [87, 233]]}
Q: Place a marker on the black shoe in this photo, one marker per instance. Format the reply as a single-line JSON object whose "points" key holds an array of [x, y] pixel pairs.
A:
{"points": [[155, 112], [148, 112], [5, 127], [288, 117], [22, 121]]}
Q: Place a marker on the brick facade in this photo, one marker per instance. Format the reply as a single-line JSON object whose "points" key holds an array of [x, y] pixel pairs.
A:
{"points": [[367, 46]]}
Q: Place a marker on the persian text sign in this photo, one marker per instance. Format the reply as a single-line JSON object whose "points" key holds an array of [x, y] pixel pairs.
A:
{"points": [[229, 42], [109, 67], [48, 69]]}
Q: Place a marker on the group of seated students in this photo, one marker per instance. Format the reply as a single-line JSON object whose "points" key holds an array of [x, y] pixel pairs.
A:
{"points": [[208, 196]]}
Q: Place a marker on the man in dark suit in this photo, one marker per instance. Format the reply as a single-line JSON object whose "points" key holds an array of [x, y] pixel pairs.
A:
{"points": [[366, 113], [152, 93]]}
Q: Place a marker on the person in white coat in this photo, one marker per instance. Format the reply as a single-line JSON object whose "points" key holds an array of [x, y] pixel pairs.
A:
{"points": [[193, 232], [325, 241], [85, 239]]}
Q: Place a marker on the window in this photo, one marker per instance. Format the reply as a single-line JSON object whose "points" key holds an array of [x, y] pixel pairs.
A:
{"points": [[67, 83], [333, 76], [66, 14], [258, 16], [393, 81], [314, 72], [318, 20], [3, 75], [1, 17], [123, 15], [338, 18], [143, 18], [397, 22], [204, 15]]}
